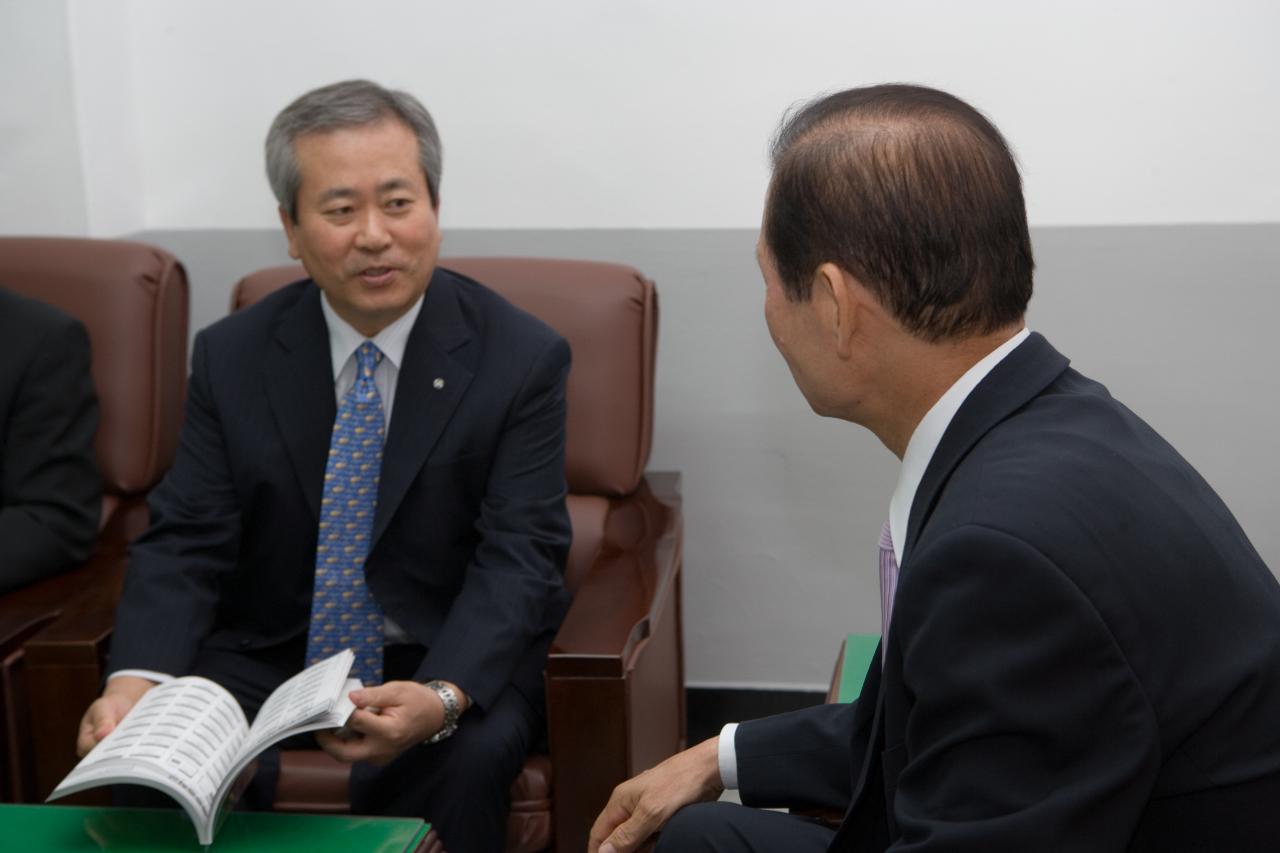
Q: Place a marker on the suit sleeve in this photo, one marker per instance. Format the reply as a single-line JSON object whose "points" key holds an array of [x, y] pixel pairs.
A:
{"points": [[802, 758], [171, 586], [1025, 727], [50, 488], [513, 591]]}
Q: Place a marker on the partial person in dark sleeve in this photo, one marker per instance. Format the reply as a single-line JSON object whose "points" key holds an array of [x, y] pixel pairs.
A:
{"points": [[50, 490]]}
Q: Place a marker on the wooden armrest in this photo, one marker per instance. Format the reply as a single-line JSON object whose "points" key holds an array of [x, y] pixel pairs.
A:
{"points": [[53, 593], [64, 664], [17, 759], [18, 623], [615, 674]]}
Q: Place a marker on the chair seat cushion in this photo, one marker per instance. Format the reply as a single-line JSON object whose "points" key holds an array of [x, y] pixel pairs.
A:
{"points": [[531, 792], [313, 782]]}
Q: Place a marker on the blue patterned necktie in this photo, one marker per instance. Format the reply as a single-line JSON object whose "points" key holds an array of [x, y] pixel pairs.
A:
{"points": [[344, 613]]}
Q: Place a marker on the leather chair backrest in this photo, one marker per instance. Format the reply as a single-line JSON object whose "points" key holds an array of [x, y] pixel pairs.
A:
{"points": [[609, 315], [132, 299]]}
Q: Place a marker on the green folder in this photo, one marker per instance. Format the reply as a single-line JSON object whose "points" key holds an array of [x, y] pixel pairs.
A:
{"points": [[71, 829], [859, 649]]}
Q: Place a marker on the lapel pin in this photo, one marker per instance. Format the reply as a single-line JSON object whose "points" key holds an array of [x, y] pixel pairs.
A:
{"points": [[438, 383]]}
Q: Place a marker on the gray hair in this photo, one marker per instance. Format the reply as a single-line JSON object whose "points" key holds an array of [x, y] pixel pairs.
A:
{"points": [[351, 103]]}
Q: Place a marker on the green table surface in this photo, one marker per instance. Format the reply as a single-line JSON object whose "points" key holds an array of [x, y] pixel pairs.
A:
{"points": [[858, 651], [78, 828]]}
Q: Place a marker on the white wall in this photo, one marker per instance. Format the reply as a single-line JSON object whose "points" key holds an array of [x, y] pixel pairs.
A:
{"points": [[102, 62], [578, 113], [119, 116], [41, 180]]}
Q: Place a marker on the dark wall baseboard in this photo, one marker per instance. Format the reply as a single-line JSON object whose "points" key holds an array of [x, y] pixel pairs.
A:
{"points": [[709, 708]]}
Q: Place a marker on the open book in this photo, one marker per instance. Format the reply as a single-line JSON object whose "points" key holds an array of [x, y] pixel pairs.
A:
{"points": [[189, 738]]}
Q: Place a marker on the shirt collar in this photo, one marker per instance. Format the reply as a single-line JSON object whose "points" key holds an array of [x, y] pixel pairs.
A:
{"points": [[344, 340], [928, 433]]}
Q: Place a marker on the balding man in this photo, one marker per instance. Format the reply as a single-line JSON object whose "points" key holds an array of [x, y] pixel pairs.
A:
{"points": [[1081, 647]]}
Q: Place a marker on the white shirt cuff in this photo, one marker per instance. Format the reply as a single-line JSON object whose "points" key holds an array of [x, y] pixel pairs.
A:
{"points": [[157, 677], [727, 754]]}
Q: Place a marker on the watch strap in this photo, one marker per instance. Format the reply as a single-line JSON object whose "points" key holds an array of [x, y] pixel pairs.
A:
{"points": [[452, 710]]}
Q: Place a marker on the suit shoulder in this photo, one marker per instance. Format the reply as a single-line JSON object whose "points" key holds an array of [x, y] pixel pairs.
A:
{"points": [[29, 325], [1073, 430], [24, 316], [1070, 463]]}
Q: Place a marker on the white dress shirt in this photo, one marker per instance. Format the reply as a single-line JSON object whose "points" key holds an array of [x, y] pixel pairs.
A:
{"points": [[920, 450], [344, 340]]}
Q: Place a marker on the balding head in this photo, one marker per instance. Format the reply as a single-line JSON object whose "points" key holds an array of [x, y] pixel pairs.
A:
{"points": [[914, 193]]}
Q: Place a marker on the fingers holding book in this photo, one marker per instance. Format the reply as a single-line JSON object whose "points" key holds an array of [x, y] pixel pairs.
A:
{"points": [[106, 712], [388, 719]]}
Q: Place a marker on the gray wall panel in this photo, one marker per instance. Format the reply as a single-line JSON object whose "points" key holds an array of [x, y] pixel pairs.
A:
{"points": [[783, 508]]}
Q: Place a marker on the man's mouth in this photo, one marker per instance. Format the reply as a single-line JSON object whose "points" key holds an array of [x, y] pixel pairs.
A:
{"points": [[377, 275]]}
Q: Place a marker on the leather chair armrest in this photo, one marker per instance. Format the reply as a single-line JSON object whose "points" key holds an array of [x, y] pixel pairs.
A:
{"points": [[629, 587], [615, 678]]}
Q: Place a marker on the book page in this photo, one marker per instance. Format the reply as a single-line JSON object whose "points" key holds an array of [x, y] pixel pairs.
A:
{"points": [[315, 698], [181, 737], [310, 696]]}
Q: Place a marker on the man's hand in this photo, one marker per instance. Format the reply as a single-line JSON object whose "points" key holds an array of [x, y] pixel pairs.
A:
{"points": [[388, 719], [106, 712], [640, 807]]}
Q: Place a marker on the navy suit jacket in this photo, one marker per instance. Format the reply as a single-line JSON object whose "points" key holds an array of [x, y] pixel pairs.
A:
{"points": [[470, 532], [1084, 652]]}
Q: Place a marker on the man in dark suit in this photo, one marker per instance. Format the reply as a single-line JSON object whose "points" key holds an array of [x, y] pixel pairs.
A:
{"points": [[1081, 648], [457, 564], [50, 491]]}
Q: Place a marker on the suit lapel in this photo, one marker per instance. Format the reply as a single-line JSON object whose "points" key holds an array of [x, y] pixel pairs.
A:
{"points": [[1012, 383], [432, 381], [299, 378]]}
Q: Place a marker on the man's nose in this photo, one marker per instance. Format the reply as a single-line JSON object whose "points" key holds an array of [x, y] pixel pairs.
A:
{"points": [[373, 235]]}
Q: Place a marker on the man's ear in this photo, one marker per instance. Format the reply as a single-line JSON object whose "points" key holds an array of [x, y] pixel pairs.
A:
{"points": [[287, 221], [838, 306]]}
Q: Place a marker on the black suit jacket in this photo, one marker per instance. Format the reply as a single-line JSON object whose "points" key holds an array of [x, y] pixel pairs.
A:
{"points": [[470, 532], [50, 492], [1084, 652]]}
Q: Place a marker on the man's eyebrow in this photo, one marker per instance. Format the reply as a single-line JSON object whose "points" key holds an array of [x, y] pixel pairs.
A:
{"points": [[336, 193]]}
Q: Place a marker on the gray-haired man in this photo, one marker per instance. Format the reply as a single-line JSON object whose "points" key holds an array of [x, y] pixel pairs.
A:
{"points": [[456, 537]]}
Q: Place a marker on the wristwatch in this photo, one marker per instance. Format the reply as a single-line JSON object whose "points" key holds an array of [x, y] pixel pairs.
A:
{"points": [[450, 701]]}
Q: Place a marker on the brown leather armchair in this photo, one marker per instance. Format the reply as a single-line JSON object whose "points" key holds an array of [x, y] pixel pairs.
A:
{"points": [[132, 299], [615, 673]]}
